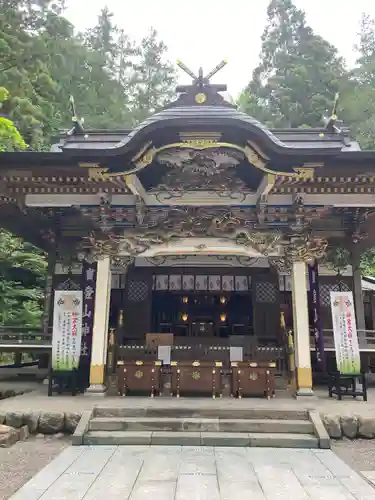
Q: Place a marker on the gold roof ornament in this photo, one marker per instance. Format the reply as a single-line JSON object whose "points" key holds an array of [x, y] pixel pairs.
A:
{"points": [[331, 123], [201, 89]]}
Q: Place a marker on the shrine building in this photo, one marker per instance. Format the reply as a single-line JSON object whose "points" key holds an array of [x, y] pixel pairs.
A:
{"points": [[200, 224]]}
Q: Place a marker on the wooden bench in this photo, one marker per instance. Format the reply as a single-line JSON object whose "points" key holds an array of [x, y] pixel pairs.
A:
{"points": [[253, 379], [346, 385], [196, 377], [139, 376], [66, 382]]}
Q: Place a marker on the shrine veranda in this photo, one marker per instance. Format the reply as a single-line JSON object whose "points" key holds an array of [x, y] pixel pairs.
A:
{"points": [[197, 226]]}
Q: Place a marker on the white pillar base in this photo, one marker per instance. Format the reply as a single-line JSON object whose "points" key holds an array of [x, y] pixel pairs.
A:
{"points": [[304, 393], [96, 390]]}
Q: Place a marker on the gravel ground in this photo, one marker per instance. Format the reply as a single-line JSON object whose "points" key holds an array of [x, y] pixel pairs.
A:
{"points": [[22, 461], [359, 453]]}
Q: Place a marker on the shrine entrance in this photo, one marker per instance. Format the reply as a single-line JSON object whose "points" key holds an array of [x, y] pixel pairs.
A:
{"points": [[202, 322], [223, 304], [203, 314]]}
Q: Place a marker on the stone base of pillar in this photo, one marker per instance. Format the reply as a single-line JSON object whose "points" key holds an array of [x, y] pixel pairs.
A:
{"points": [[304, 393], [96, 390]]}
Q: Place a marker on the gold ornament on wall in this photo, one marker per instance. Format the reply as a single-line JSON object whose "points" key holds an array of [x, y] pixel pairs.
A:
{"points": [[200, 98]]}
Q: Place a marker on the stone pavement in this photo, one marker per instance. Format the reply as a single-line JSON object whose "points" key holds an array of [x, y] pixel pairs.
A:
{"points": [[39, 401], [188, 473]]}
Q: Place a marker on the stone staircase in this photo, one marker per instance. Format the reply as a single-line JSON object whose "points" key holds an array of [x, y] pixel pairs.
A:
{"points": [[204, 427]]}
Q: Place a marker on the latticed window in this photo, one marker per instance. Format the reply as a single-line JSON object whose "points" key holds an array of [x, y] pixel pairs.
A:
{"points": [[137, 290], [325, 290], [265, 292]]}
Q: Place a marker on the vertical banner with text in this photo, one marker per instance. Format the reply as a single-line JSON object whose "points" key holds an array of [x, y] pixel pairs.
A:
{"points": [[315, 310], [89, 286], [345, 333], [67, 330]]}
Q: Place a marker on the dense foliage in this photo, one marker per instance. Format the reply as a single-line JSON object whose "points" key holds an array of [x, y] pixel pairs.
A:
{"points": [[299, 74], [22, 275], [43, 61], [117, 83]]}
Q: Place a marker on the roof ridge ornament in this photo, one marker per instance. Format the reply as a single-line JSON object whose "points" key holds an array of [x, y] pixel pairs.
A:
{"points": [[330, 124], [201, 80], [77, 123], [201, 91]]}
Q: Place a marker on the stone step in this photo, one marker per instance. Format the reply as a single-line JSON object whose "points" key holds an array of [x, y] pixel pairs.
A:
{"points": [[201, 425], [183, 412], [274, 440]]}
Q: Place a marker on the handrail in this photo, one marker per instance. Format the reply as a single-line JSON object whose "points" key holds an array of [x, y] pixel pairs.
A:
{"points": [[366, 338], [19, 335]]}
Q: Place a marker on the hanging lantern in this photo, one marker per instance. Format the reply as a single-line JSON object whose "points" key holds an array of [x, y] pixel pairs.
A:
{"points": [[223, 299], [223, 317], [185, 300], [184, 317]]}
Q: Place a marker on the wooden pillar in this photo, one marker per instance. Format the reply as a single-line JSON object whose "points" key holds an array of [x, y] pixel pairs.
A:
{"points": [[45, 358], [358, 297], [100, 328], [301, 330]]}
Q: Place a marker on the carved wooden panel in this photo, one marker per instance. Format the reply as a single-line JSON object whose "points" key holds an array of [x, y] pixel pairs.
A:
{"points": [[265, 292], [325, 292], [137, 290], [266, 306], [137, 306]]}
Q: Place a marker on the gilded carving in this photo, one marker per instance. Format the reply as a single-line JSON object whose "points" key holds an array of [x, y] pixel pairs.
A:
{"points": [[306, 248], [122, 262], [281, 264], [264, 242], [210, 169], [162, 226], [149, 153]]}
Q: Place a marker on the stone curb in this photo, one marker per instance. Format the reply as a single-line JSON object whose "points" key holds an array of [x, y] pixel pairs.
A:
{"points": [[82, 428], [349, 426], [320, 431], [42, 422], [10, 435]]}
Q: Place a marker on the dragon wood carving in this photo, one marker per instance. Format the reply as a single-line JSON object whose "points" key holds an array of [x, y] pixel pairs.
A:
{"points": [[305, 248], [211, 169], [178, 223]]}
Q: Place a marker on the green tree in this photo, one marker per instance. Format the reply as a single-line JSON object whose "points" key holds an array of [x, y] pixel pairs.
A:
{"points": [[153, 79], [358, 96], [368, 263], [22, 275], [10, 138], [22, 266], [108, 53], [24, 71], [298, 75]]}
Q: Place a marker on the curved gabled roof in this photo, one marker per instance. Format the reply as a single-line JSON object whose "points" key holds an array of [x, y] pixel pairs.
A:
{"points": [[278, 141], [203, 116]]}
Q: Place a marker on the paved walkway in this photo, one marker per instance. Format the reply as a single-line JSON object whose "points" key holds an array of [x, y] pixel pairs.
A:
{"points": [[38, 400], [188, 473]]}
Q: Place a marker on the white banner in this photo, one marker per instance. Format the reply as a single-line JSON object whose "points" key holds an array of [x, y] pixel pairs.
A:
{"points": [[345, 332], [67, 330]]}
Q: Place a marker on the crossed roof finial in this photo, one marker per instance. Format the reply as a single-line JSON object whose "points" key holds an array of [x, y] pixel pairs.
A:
{"points": [[77, 123], [331, 122], [201, 80]]}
